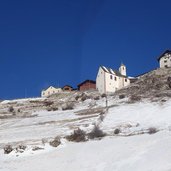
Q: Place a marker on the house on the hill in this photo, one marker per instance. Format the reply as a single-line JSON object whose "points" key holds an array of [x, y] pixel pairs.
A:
{"points": [[109, 80], [87, 85], [67, 88], [50, 90], [165, 59]]}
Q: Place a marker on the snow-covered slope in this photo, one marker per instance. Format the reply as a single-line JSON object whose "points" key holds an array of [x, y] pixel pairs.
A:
{"points": [[137, 153], [132, 149]]}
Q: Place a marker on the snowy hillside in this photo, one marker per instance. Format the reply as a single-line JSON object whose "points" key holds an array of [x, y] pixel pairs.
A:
{"points": [[134, 131]]}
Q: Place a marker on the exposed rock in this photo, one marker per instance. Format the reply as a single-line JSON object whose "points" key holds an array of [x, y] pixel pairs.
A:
{"points": [[8, 149], [56, 142], [117, 131], [37, 148], [68, 106]]}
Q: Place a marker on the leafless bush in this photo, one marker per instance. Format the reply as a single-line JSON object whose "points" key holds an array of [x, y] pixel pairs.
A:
{"points": [[56, 142], [152, 130], [8, 149], [96, 133], [97, 98], [11, 109], [77, 136], [83, 98], [117, 131], [37, 148], [77, 97], [20, 148], [52, 108], [169, 82], [134, 98], [122, 96], [48, 103], [23, 147], [103, 95]]}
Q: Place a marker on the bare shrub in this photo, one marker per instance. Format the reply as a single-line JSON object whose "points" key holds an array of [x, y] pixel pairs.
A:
{"points": [[103, 95], [11, 109], [77, 136], [96, 133], [23, 147], [52, 108], [83, 98], [152, 130], [37, 148], [117, 131], [56, 142], [97, 98], [77, 97], [20, 148], [169, 82], [122, 96], [48, 103], [134, 98], [8, 149], [68, 106]]}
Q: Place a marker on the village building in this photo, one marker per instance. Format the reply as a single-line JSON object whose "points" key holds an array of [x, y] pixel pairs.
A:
{"points": [[50, 90], [165, 59], [109, 80], [87, 85], [67, 88]]}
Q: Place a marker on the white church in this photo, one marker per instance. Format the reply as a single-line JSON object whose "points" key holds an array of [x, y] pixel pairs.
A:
{"points": [[109, 80], [165, 59]]}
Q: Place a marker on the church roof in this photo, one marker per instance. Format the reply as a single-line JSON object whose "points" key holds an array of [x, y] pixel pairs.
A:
{"points": [[113, 72], [163, 54]]}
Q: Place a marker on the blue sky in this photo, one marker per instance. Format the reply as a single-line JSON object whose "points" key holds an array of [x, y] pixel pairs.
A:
{"points": [[58, 42]]}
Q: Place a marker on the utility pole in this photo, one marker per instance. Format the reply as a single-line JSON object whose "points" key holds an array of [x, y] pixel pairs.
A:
{"points": [[106, 102]]}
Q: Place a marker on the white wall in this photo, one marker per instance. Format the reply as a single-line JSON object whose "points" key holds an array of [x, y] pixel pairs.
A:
{"points": [[112, 83], [122, 69], [100, 79], [126, 81], [165, 61], [51, 90]]}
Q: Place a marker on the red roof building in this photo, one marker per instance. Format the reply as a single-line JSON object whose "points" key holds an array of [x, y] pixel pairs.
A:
{"points": [[87, 85], [67, 88]]}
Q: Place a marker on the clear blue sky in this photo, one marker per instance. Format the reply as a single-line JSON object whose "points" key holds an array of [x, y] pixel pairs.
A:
{"points": [[58, 42]]}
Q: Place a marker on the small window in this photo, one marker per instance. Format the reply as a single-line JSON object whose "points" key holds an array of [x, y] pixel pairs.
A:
{"points": [[166, 66], [115, 78], [125, 80], [165, 61], [111, 77]]}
